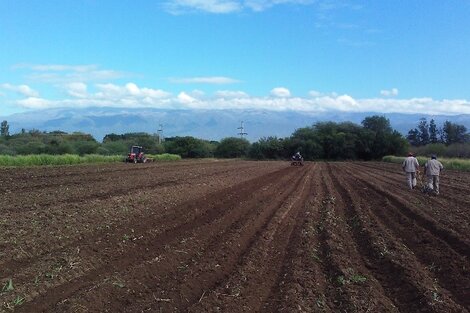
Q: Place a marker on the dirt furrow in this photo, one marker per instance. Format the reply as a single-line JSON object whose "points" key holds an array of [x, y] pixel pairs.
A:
{"points": [[449, 209], [302, 284], [350, 272], [451, 178], [460, 244], [396, 268], [209, 258], [451, 269], [104, 188], [231, 236], [250, 283], [181, 229], [84, 213], [22, 178], [450, 192]]}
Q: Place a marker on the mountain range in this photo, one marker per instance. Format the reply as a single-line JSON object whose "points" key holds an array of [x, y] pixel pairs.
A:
{"points": [[204, 124]]}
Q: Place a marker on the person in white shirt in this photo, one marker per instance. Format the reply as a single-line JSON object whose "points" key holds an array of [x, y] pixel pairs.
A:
{"points": [[433, 169], [410, 166]]}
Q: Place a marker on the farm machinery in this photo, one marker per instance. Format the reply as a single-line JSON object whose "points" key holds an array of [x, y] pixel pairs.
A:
{"points": [[136, 155], [297, 160]]}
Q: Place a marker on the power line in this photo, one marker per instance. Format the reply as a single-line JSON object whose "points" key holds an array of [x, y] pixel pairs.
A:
{"points": [[242, 130], [160, 133]]}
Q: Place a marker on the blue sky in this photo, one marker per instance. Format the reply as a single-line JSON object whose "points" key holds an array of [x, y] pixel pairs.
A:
{"points": [[383, 56]]}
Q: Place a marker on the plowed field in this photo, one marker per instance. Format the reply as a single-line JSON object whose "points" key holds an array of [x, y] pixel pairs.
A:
{"points": [[232, 236]]}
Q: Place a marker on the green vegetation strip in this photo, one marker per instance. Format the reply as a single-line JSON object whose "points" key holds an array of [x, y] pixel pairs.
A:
{"points": [[47, 159], [164, 157], [449, 163], [71, 159]]}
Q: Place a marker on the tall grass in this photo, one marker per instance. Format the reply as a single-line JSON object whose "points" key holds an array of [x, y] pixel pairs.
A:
{"points": [[449, 163], [71, 159], [164, 157], [47, 159]]}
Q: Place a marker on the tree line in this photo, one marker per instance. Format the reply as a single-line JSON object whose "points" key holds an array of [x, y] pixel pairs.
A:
{"points": [[370, 140], [429, 133], [448, 140]]}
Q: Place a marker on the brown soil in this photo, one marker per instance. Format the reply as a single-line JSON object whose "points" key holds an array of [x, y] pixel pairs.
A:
{"points": [[232, 236]]}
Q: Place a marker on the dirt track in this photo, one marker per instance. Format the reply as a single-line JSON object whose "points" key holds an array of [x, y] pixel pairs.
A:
{"points": [[232, 236]]}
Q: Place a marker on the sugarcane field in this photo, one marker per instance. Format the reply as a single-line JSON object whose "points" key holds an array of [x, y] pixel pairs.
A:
{"points": [[232, 236]]}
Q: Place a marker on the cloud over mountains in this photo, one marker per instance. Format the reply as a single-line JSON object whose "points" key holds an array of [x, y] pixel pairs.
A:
{"points": [[130, 95]]}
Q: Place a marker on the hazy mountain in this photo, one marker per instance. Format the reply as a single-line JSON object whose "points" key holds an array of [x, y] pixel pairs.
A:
{"points": [[206, 124]]}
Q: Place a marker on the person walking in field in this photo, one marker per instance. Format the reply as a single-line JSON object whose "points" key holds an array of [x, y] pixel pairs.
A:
{"points": [[433, 169], [410, 166]]}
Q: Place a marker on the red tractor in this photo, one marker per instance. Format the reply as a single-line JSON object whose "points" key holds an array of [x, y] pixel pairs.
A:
{"points": [[136, 155]]}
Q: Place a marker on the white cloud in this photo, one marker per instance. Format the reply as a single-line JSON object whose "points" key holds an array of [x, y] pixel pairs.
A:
{"points": [[216, 80], [210, 6], [261, 5], [62, 67], [131, 95], [314, 93], [225, 6], [342, 103], [77, 89], [23, 90], [36, 103], [61, 73], [184, 98], [280, 92], [389, 93], [230, 94], [130, 90], [196, 93]]}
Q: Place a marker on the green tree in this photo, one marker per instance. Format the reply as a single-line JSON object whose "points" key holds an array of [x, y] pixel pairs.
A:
{"points": [[59, 147], [120, 147], [330, 138], [4, 129], [6, 150], [423, 132], [83, 147], [382, 131], [454, 133], [150, 143], [270, 148], [255, 152], [433, 132], [377, 124], [56, 144], [232, 147], [396, 144], [32, 147], [306, 141], [189, 147], [413, 137]]}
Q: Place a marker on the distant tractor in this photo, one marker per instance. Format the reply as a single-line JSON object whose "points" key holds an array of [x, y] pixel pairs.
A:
{"points": [[297, 160], [136, 155]]}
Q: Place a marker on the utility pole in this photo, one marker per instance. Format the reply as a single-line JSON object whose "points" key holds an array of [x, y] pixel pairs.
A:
{"points": [[242, 130], [160, 133]]}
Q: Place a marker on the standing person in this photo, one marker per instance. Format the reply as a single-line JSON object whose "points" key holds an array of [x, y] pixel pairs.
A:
{"points": [[410, 167], [433, 169]]}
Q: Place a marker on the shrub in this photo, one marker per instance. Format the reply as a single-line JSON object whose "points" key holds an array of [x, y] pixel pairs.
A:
{"points": [[232, 147]]}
